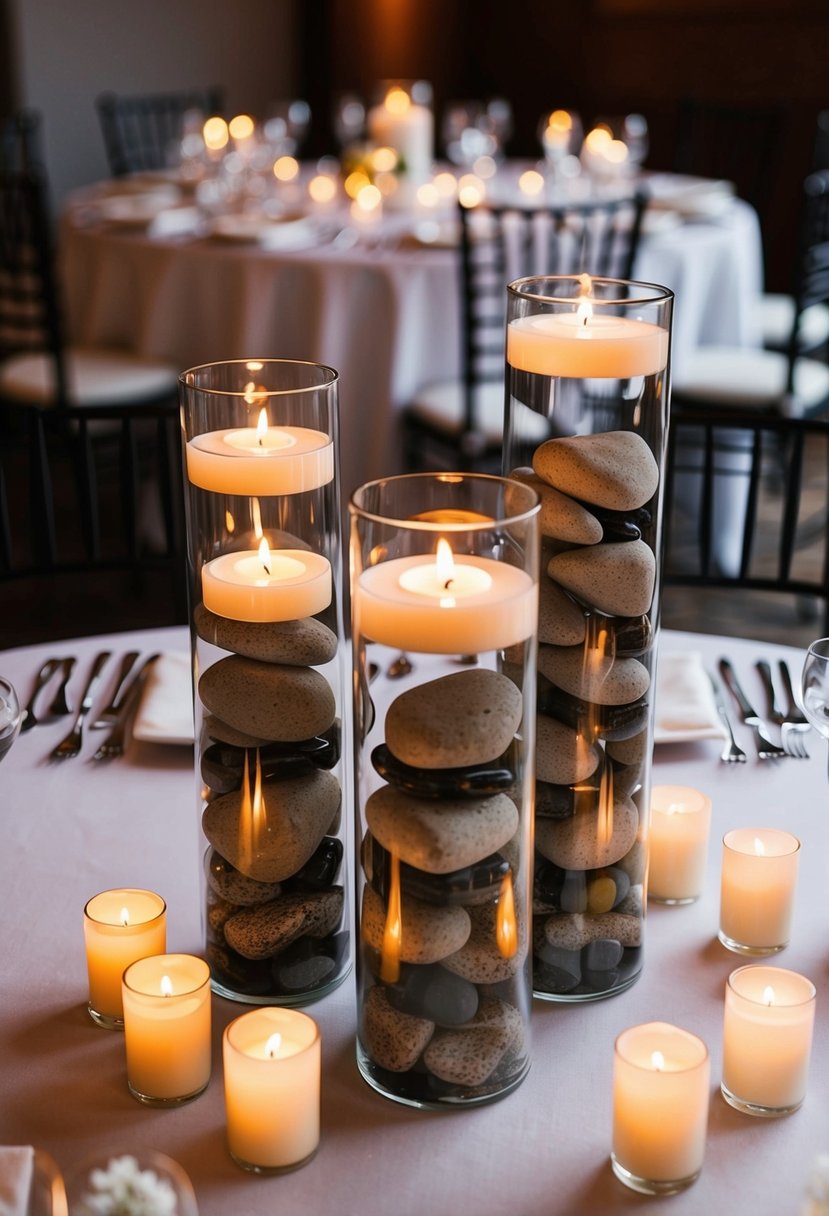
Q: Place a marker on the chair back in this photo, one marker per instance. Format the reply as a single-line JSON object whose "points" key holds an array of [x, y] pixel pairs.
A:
{"points": [[140, 131], [20, 140], [812, 270], [747, 503], [500, 244]]}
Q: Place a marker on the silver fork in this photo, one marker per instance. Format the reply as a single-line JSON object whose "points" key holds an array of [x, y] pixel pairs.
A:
{"points": [[109, 716], [60, 705], [113, 746], [795, 726], [71, 745], [766, 748], [732, 753]]}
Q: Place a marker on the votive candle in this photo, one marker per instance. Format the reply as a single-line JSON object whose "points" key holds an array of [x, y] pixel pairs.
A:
{"points": [[677, 843], [767, 1039], [759, 876], [120, 926]]}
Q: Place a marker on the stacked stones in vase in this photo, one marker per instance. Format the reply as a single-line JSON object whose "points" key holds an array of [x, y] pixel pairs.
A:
{"points": [[443, 763], [600, 379], [263, 528]]}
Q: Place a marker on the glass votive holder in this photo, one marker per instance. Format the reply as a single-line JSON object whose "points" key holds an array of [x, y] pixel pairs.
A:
{"points": [[167, 1028], [119, 926], [272, 1089], [677, 843], [759, 876], [660, 1108], [767, 1040]]}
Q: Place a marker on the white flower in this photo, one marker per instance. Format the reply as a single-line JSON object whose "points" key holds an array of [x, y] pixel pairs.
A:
{"points": [[124, 1189]]}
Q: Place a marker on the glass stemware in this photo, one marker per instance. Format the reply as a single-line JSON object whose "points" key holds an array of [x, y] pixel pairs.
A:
{"points": [[10, 716], [814, 686]]}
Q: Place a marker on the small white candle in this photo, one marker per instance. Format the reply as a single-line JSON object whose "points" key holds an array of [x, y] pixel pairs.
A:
{"points": [[267, 585], [439, 604], [677, 843], [402, 124], [660, 1107], [260, 460], [759, 876], [767, 1039], [272, 1089], [119, 926], [167, 1028]]}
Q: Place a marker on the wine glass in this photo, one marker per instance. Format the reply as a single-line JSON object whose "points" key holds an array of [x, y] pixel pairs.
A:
{"points": [[814, 686], [10, 716]]}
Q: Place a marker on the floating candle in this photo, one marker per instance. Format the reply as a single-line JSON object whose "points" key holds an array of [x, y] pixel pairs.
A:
{"points": [[267, 585]]}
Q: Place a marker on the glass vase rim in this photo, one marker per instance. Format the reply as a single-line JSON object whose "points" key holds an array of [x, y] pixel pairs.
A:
{"points": [[652, 293], [732, 982], [693, 1041], [173, 957], [330, 377], [96, 920], [421, 525], [237, 1025], [819, 648]]}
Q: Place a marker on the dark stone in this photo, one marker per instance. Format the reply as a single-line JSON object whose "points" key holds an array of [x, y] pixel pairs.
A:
{"points": [[622, 880], [470, 782], [605, 954], [593, 982], [554, 801], [548, 880], [434, 993], [320, 869], [573, 897], [222, 764], [632, 635], [238, 974], [620, 525], [560, 975], [474, 884], [607, 721], [309, 963]]}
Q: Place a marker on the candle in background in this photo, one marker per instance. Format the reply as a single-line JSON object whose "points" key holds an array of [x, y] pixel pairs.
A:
{"points": [[677, 843], [272, 1089], [767, 1039], [167, 1028], [119, 927], [660, 1108], [261, 459], [267, 585], [402, 123], [759, 876]]}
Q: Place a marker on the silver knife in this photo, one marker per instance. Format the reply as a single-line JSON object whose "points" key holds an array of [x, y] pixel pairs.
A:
{"points": [[766, 748], [108, 716]]}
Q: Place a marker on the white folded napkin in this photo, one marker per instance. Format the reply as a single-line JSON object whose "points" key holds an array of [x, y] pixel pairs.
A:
{"points": [[175, 221], [685, 707], [165, 714], [271, 233], [16, 1166]]}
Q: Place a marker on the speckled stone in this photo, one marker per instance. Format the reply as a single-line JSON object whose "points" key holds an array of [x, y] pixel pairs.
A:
{"points": [[429, 933], [263, 931], [465, 718], [616, 578], [561, 621], [215, 728], [219, 912], [392, 1039], [614, 469], [561, 756], [297, 816], [471, 1054], [601, 681], [303, 643], [440, 836], [560, 517], [236, 887], [268, 700], [634, 862], [571, 932], [578, 844], [630, 751], [479, 960]]}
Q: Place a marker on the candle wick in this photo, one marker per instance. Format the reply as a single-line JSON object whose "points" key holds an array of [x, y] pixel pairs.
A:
{"points": [[584, 319], [267, 569], [448, 584]]}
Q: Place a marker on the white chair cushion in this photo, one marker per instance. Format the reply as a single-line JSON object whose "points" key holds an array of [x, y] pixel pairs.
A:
{"points": [[95, 377], [773, 317], [752, 379], [441, 405]]}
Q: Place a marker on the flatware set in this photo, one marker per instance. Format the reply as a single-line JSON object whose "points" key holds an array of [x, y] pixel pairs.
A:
{"points": [[791, 722]]}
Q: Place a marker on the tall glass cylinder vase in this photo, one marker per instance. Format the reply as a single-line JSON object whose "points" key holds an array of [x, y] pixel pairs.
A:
{"points": [[590, 359], [444, 608], [269, 672]]}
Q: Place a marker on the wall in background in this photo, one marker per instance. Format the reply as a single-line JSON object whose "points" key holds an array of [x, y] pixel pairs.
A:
{"points": [[61, 56]]}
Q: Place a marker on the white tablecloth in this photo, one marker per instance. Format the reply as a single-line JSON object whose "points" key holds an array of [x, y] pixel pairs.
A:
{"points": [[387, 318], [72, 829]]}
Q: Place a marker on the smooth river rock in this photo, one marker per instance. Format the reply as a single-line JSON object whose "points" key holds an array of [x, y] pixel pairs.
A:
{"points": [[562, 756], [479, 960], [617, 579], [614, 469], [303, 643], [572, 932], [462, 719], [434, 993], [297, 815], [561, 621], [428, 933], [583, 842], [560, 517], [268, 700], [599, 680], [392, 1039], [440, 836], [230, 884]]}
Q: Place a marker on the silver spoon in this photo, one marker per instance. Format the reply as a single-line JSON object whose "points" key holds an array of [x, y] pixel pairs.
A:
{"points": [[41, 680]]}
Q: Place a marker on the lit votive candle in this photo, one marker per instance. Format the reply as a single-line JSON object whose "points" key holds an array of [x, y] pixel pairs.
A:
{"points": [[767, 1039], [759, 876], [660, 1108], [586, 343], [272, 1089], [167, 1028], [267, 585], [677, 843], [119, 927], [260, 460]]}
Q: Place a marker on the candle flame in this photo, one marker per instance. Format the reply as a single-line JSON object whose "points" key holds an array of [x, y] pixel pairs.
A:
{"points": [[393, 931], [253, 812], [585, 309], [230, 522], [445, 563], [759, 847], [506, 929], [397, 100], [273, 1045], [256, 515], [125, 916], [265, 554], [657, 1061], [768, 995], [166, 986], [262, 426]]}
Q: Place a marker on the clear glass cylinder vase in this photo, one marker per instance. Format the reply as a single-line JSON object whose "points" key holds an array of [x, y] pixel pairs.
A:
{"points": [[444, 599], [269, 673], [587, 410]]}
